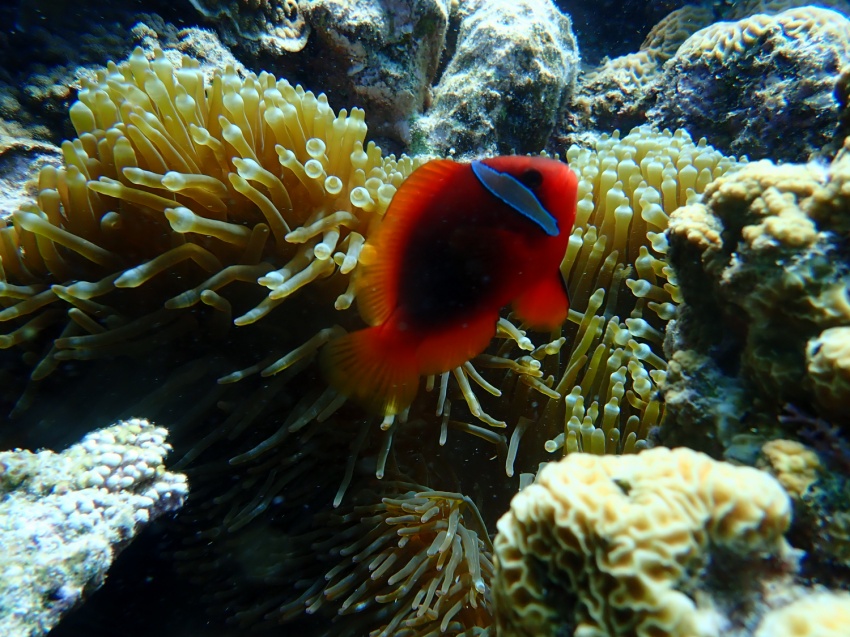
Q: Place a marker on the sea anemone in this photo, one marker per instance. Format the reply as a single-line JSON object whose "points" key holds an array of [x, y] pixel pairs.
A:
{"points": [[174, 191]]}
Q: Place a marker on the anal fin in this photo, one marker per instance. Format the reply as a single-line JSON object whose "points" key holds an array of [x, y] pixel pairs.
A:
{"points": [[377, 372], [451, 347]]}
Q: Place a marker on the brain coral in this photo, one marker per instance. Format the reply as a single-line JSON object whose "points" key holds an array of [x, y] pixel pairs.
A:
{"points": [[612, 546], [739, 10], [617, 93], [762, 85]]}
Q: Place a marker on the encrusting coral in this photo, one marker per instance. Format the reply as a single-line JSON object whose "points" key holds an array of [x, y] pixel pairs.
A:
{"points": [[616, 545], [65, 516], [763, 271]]}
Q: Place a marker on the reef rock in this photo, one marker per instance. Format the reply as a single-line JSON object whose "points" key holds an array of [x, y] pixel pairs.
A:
{"points": [[762, 86], [515, 63], [269, 26], [65, 516], [380, 55], [763, 270]]}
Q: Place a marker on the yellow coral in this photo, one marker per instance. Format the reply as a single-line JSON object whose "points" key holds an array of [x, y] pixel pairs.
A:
{"points": [[816, 615], [828, 364], [607, 544], [795, 466]]}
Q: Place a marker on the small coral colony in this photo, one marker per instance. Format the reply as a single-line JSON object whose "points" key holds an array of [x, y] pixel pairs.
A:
{"points": [[373, 353]]}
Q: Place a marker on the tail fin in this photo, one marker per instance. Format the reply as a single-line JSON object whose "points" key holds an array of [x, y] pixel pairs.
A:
{"points": [[373, 369]]}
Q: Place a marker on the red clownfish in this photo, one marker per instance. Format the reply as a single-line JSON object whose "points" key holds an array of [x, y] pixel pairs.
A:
{"points": [[459, 242]]}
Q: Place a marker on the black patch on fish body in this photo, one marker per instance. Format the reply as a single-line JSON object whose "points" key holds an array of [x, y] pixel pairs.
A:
{"points": [[447, 274]]}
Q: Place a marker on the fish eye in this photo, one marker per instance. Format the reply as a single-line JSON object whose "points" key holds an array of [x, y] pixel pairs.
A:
{"points": [[531, 178]]}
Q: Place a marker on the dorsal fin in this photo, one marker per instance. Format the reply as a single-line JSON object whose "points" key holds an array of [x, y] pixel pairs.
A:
{"points": [[511, 191]]}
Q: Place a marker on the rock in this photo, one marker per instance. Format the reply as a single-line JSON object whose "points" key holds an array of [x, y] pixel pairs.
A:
{"points": [[515, 64]]}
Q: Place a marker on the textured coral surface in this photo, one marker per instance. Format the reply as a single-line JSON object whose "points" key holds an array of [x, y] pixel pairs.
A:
{"points": [[615, 545], [744, 83], [65, 516], [763, 270]]}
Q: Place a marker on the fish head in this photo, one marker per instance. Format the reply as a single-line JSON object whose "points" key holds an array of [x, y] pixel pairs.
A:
{"points": [[552, 183]]}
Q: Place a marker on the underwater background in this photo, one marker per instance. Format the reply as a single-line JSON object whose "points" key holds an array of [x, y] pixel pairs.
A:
{"points": [[191, 191]]}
